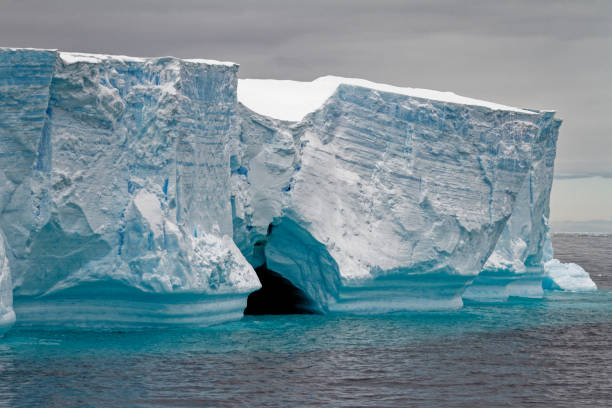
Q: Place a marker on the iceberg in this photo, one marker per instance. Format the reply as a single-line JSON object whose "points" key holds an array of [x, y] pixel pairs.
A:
{"points": [[162, 191]]}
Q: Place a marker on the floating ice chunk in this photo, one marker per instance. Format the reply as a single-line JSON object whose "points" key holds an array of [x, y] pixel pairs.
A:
{"points": [[567, 276]]}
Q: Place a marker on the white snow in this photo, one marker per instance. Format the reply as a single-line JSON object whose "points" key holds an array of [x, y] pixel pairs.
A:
{"points": [[211, 62], [292, 100], [75, 57]]}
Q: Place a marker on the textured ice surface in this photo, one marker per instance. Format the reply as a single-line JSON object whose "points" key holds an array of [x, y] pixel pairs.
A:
{"points": [[396, 197], [117, 169], [517, 266], [139, 191]]}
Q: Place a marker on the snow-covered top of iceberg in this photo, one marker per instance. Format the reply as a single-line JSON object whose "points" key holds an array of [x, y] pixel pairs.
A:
{"points": [[75, 57], [292, 100]]}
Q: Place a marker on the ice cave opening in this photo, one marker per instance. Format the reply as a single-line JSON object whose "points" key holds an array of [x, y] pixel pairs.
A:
{"points": [[277, 296]]}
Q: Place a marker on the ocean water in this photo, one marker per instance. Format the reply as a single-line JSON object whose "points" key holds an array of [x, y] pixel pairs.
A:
{"points": [[554, 352]]}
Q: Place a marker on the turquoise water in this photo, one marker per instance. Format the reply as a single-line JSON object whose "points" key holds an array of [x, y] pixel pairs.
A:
{"points": [[554, 352]]}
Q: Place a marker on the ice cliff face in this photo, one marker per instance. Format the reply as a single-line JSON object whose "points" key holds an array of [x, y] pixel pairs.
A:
{"points": [[140, 191], [515, 268], [522, 263], [117, 170]]}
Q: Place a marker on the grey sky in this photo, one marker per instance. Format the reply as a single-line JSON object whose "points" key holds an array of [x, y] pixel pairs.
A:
{"points": [[538, 54]]}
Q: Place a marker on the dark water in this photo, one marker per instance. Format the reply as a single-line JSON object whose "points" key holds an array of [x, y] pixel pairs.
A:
{"points": [[553, 352]]}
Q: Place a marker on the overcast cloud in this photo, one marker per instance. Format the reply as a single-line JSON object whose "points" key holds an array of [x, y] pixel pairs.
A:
{"points": [[538, 54]]}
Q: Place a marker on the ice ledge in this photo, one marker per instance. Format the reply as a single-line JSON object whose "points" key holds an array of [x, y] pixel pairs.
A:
{"points": [[293, 100]]}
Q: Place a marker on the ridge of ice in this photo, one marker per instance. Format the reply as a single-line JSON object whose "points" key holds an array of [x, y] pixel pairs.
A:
{"points": [[75, 57], [292, 100]]}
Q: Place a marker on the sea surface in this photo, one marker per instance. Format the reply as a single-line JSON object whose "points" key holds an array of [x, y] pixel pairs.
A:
{"points": [[553, 352]]}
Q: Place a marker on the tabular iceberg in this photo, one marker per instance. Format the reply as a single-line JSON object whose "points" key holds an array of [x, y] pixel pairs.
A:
{"points": [[142, 191]]}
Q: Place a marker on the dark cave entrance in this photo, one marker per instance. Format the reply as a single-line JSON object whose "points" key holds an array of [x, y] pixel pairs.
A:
{"points": [[277, 296]]}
